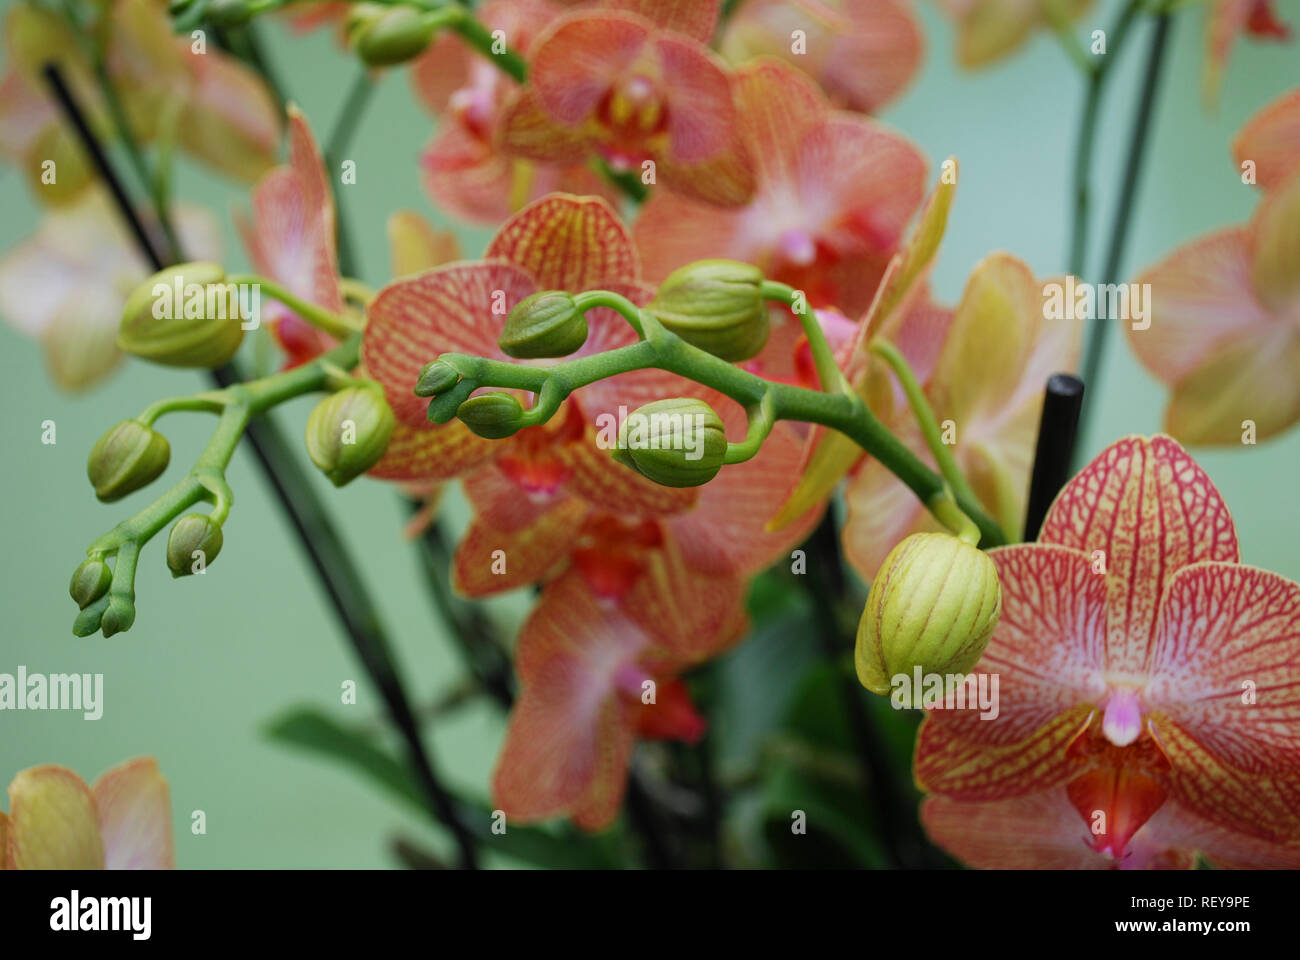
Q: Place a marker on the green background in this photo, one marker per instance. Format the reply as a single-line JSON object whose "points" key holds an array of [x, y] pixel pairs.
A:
{"points": [[211, 658]]}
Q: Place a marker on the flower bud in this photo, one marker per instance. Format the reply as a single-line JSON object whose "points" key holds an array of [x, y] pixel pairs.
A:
{"points": [[348, 432], [492, 416], [933, 605], [119, 615], [547, 324], [716, 305], [90, 581], [191, 534], [184, 316], [435, 378], [385, 35], [126, 458], [677, 443]]}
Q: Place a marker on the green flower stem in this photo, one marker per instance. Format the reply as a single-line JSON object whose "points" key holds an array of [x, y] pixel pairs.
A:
{"points": [[828, 371], [213, 401], [762, 417], [924, 417], [206, 481], [664, 350], [332, 323], [607, 298]]}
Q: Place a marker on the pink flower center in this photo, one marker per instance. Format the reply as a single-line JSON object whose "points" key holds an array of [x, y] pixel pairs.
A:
{"points": [[1122, 721]]}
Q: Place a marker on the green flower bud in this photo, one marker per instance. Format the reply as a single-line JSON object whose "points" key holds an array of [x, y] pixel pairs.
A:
{"points": [[492, 415], [90, 617], [184, 316], [385, 35], [90, 581], [126, 458], [435, 378], [933, 604], [678, 443], [348, 433], [716, 305], [228, 13], [118, 616], [547, 324], [191, 534]]}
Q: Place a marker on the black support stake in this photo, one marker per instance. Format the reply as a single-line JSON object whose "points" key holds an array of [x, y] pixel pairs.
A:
{"points": [[1057, 430]]}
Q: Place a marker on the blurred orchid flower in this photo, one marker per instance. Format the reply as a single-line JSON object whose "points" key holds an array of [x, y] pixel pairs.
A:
{"points": [[863, 53], [1148, 679], [205, 101], [833, 194], [1226, 20], [56, 822], [67, 284], [466, 170], [1224, 331], [635, 89], [988, 30], [1271, 141]]}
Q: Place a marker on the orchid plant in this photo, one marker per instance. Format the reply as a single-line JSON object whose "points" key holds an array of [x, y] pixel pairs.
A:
{"points": [[694, 383]]}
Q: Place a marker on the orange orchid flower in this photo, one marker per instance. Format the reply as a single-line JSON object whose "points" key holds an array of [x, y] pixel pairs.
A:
{"points": [[1224, 330], [833, 194], [561, 242], [988, 30], [57, 822], [465, 169], [630, 85], [1147, 678], [863, 53]]}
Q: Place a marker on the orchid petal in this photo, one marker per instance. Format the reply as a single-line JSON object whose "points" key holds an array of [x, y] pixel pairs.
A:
{"points": [[695, 18], [1271, 140], [1224, 664], [568, 243], [414, 246], [135, 816], [1145, 509], [53, 822]]}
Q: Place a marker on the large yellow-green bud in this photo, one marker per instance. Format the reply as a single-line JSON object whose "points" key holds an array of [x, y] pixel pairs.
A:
{"points": [[384, 35], [194, 543], [933, 604], [184, 316], [716, 305], [547, 324], [349, 431], [679, 442], [493, 416], [126, 458]]}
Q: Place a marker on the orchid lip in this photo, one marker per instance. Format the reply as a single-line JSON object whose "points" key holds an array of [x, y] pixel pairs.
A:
{"points": [[1122, 721]]}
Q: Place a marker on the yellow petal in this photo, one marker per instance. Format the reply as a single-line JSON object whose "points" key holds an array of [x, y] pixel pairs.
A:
{"points": [[4, 840], [1251, 380], [54, 823], [414, 246], [80, 349], [1276, 270]]}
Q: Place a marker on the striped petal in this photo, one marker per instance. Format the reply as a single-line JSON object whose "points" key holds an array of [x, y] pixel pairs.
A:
{"points": [[53, 822], [1150, 510], [135, 816], [568, 243], [1225, 665], [967, 770], [491, 560], [695, 18]]}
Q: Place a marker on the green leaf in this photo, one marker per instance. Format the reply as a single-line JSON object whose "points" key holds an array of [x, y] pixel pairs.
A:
{"points": [[310, 729]]}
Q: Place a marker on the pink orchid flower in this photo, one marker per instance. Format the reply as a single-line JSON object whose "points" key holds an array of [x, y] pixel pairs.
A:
{"points": [[67, 284], [56, 822], [863, 53], [1224, 329], [635, 85], [833, 194], [1271, 141], [1148, 680], [466, 171]]}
